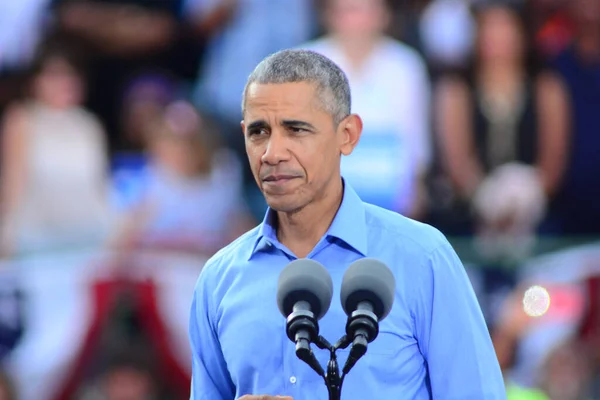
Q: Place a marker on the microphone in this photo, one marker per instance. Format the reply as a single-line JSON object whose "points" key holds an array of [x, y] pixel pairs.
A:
{"points": [[304, 293], [367, 295]]}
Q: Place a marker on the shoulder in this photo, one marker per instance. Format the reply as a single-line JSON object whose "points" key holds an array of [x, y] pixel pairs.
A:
{"points": [[419, 255], [15, 124], [88, 119], [219, 266], [86, 115], [453, 88], [404, 234], [17, 113], [18, 109], [547, 82], [403, 54]]}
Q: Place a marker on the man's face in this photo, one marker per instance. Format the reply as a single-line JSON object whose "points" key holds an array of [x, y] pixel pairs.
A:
{"points": [[293, 145], [354, 19]]}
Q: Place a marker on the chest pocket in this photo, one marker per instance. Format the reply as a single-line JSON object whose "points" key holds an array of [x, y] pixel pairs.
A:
{"points": [[387, 343], [392, 357]]}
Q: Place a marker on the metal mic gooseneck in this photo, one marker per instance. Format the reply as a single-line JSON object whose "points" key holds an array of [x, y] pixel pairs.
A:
{"points": [[302, 329], [363, 327]]}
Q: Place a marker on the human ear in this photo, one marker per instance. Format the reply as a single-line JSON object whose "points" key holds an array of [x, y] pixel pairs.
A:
{"points": [[349, 132]]}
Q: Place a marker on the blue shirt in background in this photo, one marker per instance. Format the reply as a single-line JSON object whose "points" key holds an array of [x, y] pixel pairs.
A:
{"points": [[256, 29], [433, 345], [575, 207]]}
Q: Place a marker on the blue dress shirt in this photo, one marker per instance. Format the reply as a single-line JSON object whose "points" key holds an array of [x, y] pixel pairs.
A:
{"points": [[433, 345]]}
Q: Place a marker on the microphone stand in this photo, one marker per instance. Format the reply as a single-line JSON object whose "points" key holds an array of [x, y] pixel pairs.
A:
{"points": [[333, 379], [302, 328]]}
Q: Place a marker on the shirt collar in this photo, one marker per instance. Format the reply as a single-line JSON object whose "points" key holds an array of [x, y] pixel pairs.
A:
{"points": [[348, 225]]}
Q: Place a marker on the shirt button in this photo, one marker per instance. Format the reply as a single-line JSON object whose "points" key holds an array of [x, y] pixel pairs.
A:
{"points": [[293, 380]]}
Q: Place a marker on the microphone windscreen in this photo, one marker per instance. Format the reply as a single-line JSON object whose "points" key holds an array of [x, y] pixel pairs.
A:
{"points": [[304, 280], [368, 280]]}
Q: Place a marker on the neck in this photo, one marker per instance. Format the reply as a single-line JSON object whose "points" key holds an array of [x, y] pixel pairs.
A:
{"points": [[500, 75], [300, 231], [500, 70], [357, 50]]}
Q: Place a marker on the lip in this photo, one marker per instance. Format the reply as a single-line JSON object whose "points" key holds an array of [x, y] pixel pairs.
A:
{"points": [[273, 180]]}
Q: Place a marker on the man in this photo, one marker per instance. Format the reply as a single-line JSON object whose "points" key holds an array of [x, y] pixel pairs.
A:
{"points": [[297, 124]]}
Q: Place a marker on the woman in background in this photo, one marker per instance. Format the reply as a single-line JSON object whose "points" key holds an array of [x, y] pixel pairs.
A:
{"points": [[502, 134], [192, 200], [502, 130], [53, 188]]}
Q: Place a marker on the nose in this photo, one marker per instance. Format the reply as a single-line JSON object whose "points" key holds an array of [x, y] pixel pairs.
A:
{"points": [[277, 150]]}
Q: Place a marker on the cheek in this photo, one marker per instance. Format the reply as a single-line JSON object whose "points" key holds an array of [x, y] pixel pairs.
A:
{"points": [[254, 153], [320, 162]]}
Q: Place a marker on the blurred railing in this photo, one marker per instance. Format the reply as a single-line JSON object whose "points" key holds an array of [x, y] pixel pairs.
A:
{"points": [[64, 294], [473, 253]]}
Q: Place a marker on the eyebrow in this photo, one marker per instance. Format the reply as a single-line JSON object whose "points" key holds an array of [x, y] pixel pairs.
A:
{"points": [[298, 124], [257, 124], [287, 123]]}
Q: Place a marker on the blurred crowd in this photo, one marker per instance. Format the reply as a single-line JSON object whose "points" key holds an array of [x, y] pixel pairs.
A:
{"points": [[120, 136]]}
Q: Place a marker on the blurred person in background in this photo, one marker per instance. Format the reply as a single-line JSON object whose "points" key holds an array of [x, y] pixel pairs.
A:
{"points": [[122, 38], [144, 97], [53, 189], [575, 210], [503, 132], [391, 92], [125, 377], [567, 373], [235, 41], [193, 192]]}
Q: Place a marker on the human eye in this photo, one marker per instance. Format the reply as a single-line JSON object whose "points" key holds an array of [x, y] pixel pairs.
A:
{"points": [[257, 132], [297, 129]]}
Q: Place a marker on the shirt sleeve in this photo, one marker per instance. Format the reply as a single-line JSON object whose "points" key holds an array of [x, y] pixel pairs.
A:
{"points": [[452, 333], [210, 377]]}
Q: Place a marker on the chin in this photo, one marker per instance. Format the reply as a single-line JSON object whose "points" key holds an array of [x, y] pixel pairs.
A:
{"points": [[285, 204]]}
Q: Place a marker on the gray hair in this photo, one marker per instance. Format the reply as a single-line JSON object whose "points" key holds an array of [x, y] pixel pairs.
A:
{"points": [[289, 66]]}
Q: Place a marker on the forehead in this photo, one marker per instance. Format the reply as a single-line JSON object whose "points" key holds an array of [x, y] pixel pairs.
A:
{"points": [[288, 98]]}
